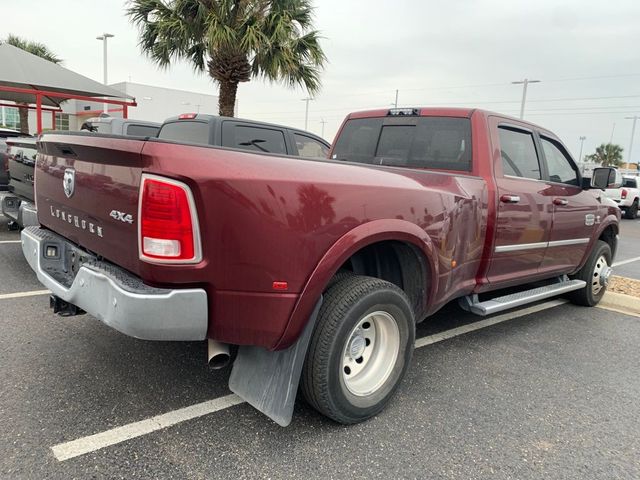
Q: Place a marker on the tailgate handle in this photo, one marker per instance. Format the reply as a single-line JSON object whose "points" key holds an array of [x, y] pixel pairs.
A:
{"points": [[67, 150]]}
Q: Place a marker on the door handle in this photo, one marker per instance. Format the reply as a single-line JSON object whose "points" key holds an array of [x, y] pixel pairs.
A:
{"points": [[560, 201], [510, 198]]}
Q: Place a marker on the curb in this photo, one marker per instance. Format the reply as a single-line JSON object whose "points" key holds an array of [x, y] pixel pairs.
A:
{"points": [[619, 302]]}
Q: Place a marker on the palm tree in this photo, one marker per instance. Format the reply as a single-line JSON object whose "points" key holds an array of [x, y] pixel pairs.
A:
{"points": [[608, 155], [40, 50], [233, 40]]}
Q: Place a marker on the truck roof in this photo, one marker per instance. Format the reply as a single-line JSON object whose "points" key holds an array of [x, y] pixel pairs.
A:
{"points": [[437, 112], [218, 118]]}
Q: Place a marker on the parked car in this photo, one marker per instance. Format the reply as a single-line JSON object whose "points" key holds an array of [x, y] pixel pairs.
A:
{"points": [[627, 196], [5, 133], [18, 206], [121, 126], [243, 134], [316, 269]]}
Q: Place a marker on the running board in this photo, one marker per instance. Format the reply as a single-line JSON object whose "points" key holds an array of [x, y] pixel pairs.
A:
{"points": [[472, 304]]}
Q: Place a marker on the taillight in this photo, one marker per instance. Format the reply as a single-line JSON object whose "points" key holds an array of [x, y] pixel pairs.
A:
{"points": [[623, 194], [168, 223]]}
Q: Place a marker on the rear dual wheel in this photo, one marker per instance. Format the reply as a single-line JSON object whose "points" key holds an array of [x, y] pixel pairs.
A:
{"points": [[360, 349]]}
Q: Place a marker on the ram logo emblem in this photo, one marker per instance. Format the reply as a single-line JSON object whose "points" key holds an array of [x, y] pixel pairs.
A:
{"points": [[69, 182]]}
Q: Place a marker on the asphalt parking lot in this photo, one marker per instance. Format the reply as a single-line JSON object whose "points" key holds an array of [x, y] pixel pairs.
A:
{"points": [[546, 392]]}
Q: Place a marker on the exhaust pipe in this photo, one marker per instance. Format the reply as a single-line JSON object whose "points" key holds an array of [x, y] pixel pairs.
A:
{"points": [[218, 354]]}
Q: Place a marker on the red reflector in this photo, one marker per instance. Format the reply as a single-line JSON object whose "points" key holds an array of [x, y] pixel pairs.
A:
{"points": [[166, 226], [185, 116], [280, 286], [623, 194]]}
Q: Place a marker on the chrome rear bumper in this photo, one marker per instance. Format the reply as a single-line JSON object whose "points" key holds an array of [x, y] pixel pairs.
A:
{"points": [[114, 296]]}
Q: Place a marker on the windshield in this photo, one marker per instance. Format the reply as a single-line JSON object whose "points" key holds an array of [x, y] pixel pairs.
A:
{"points": [[415, 142]]}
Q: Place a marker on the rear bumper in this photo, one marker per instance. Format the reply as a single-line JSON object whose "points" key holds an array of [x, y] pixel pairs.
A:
{"points": [[114, 296], [22, 212]]}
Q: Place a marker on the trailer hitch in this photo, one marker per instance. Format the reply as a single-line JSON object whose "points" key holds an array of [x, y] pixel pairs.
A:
{"points": [[64, 308]]}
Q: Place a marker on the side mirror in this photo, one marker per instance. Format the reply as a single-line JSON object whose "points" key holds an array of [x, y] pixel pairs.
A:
{"points": [[606, 177]]}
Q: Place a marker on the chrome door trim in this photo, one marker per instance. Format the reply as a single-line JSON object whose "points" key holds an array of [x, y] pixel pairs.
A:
{"points": [[531, 246]]}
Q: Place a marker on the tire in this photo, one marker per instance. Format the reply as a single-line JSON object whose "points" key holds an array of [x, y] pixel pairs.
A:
{"points": [[339, 276], [593, 272], [632, 211], [360, 349]]}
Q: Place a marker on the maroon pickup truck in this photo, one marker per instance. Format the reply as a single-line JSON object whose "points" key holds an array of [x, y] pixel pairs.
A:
{"points": [[317, 270]]}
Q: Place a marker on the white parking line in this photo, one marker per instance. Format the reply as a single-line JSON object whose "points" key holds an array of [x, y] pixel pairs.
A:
{"points": [[10, 241], [68, 450], [624, 262], [32, 293], [84, 445]]}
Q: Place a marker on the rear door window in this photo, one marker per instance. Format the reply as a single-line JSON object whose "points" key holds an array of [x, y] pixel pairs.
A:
{"points": [[417, 142], [185, 131], [518, 152], [257, 139], [310, 147]]}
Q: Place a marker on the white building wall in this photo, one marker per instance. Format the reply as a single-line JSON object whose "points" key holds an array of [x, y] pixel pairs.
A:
{"points": [[157, 103]]}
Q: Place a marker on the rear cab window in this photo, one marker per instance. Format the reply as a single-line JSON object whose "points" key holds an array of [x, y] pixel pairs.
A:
{"points": [[629, 183], [412, 142], [142, 130], [186, 131]]}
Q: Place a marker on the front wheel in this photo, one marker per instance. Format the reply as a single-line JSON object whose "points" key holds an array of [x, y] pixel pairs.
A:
{"points": [[360, 349], [596, 272]]}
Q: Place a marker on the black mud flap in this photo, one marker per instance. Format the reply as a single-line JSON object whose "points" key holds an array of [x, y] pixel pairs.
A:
{"points": [[268, 381]]}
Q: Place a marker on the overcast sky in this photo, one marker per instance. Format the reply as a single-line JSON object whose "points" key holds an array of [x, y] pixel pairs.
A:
{"points": [[447, 52]]}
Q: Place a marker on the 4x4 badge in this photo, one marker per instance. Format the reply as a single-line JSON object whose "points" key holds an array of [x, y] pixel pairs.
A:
{"points": [[69, 182], [589, 219]]}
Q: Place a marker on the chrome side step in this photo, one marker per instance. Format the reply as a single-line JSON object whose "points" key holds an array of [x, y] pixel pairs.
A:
{"points": [[472, 304]]}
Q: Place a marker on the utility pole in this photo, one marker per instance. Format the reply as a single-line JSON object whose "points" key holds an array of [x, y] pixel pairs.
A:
{"points": [[582, 139], [103, 38], [396, 103], [633, 132], [323, 122], [525, 83], [306, 111]]}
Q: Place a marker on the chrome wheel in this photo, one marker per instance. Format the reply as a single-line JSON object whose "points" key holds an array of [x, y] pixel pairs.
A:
{"points": [[370, 353], [601, 274]]}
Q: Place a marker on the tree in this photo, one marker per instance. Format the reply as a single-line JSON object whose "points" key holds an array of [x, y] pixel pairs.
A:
{"points": [[40, 50], [608, 155], [233, 40]]}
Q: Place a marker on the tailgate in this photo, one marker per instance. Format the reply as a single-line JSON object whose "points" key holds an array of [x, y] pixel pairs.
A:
{"points": [[21, 168], [613, 193], [87, 191]]}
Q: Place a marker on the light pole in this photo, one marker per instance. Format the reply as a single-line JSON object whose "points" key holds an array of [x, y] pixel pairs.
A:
{"points": [[525, 83], [323, 122], [582, 139], [306, 111], [633, 132], [396, 103], [103, 38]]}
